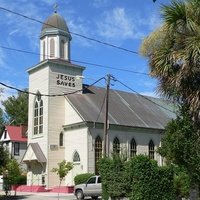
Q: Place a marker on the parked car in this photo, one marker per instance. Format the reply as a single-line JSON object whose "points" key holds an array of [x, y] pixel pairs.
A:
{"points": [[91, 188]]}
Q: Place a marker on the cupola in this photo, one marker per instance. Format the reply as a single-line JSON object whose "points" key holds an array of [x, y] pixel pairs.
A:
{"points": [[55, 39]]}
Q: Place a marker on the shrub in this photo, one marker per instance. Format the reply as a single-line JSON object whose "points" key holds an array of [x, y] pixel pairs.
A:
{"points": [[138, 179], [20, 180], [149, 181], [82, 178], [114, 181]]}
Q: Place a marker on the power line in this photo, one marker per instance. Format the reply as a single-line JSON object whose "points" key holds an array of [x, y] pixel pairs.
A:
{"points": [[144, 96], [51, 95], [77, 34], [77, 61]]}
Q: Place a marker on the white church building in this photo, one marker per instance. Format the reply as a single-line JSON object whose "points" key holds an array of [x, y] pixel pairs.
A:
{"points": [[71, 127]]}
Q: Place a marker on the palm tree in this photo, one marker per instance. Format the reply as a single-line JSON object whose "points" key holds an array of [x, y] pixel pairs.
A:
{"points": [[173, 52]]}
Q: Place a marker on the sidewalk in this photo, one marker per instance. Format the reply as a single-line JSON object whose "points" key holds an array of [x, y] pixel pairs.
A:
{"points": [[35, 195]]}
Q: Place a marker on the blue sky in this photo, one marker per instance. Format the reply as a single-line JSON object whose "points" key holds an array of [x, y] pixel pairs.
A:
{"points": [[120, 22]]}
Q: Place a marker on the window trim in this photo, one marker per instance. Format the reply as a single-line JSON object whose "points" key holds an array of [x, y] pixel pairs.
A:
{"points": [[52, 48], [116, 146], [75, 156], [38, 117], [98, 152], [151, 149], [133, 148], [61, 139]]}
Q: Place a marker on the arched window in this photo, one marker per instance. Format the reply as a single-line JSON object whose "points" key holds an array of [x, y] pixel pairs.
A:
{"points": [[116, 146], [133, 148], [151, 149], [76, 157], [62, 49], [98, 152], [41, 117], [61, 143], [52, 48], [44, 52], [38, 115]]}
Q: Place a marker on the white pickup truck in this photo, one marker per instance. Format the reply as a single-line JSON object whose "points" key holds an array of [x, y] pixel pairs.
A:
{"points": [[91, 188]]}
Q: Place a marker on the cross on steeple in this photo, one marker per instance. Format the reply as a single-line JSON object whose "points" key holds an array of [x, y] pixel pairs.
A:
{"points": [[55, 7]]}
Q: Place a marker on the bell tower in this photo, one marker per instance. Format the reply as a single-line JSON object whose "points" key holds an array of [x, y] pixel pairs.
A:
{"points": [[51, 78], [55, 39]]}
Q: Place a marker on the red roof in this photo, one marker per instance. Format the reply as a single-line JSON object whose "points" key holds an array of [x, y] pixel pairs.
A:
{"points": [[17, 133]]}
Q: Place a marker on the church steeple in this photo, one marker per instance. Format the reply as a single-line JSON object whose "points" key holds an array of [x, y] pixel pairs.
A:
{"points": [[55, 39]]}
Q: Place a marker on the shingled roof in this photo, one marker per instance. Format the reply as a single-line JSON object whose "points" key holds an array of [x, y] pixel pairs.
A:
{"points": [[125, 109]]}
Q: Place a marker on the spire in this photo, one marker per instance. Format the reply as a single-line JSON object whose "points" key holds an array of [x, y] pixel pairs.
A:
{"points": [[55, 7]]}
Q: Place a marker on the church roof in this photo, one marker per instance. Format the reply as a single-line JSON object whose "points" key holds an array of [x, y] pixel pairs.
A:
{"points": [[55, 21], [126, 109]]}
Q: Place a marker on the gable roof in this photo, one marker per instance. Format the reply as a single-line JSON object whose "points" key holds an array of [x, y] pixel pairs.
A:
{"points": [[126, 109], [34, 152], [15, 133]]}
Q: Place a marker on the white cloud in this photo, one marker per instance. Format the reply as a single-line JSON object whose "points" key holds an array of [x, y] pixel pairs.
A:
{"points": [[116, 24], [80, 27], [121, 24]]}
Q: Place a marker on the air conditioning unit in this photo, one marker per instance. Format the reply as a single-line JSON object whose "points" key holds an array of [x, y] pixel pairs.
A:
{"points": [[53, 147]]}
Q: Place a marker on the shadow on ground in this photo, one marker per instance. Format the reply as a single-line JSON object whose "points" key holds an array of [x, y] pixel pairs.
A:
{"points": [[12, 197]]}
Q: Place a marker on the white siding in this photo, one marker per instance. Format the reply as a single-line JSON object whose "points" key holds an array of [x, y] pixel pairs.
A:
{"points": [[76, 140]]}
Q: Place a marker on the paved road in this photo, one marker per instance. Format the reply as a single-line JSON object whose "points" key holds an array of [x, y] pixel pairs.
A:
{"points": [[37, 196]]}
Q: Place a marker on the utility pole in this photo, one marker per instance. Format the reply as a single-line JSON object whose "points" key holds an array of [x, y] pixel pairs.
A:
{"points": [[105, 138]]}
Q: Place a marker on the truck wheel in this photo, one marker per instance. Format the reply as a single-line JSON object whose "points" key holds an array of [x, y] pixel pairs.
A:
{"points": [[79, 194], [95, 197]]}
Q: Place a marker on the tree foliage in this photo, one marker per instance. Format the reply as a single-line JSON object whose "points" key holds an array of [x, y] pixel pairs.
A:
{"points": [[173, 52], [4, 158], [2, 120], [138, 178], [82, 178], [16, 108], [181, 144], [62, 171]]}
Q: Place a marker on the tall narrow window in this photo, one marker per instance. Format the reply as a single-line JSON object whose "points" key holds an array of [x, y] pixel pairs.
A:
{"points": [[52, 48], [62, 49], [151, 149], [61, 140], [98, 152], [38, 116], [16, 148], [133, 148], [116, 146], [76, 157], [41, 117], [44, 50]]}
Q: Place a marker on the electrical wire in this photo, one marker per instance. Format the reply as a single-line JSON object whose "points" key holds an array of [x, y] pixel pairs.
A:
{"points": [[77, 34], [51, 95], [144, 96], [77, 61]]}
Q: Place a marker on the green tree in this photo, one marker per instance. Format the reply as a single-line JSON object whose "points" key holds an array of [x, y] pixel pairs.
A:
{"points": [[2, 121], [16, 108], [62, 170], [4, 158], [173, 51], [181, 146]]}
